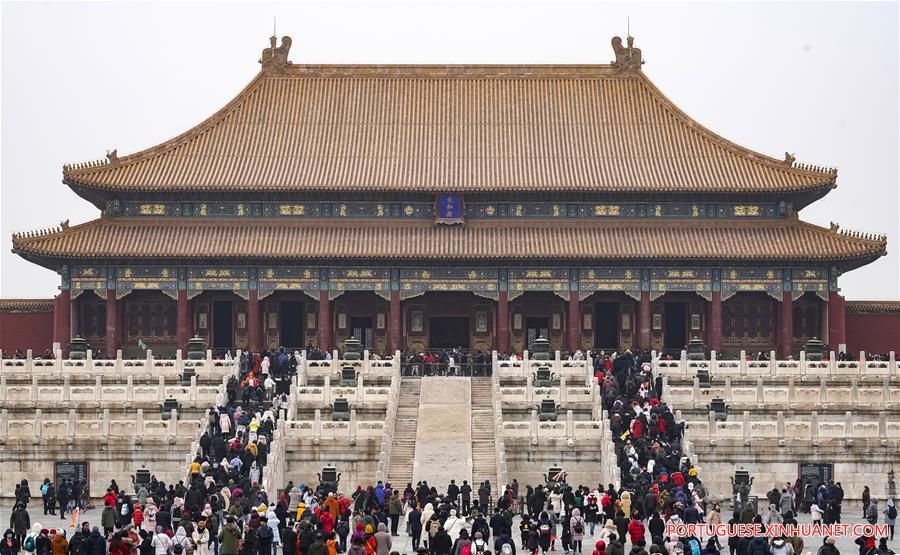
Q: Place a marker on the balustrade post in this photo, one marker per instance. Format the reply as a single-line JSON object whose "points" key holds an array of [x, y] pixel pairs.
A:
{"points": [[743, 363], [832, 363], [2, 387], [745, 424], [563, 394], [139, 425], [848, 424], [120, 366], [557, 363], [814, 425], [525, 368], [570, 425], [70, 426], [803, 362], [360, 390], [534, 427], [104, 425], [729, 395], [773, 364], [713, 363], [854, 390], [823, 393], [98, 389], [148, 364], [760, 391], [304, 369], [38, 430], [791, 391], [892, 363], [129, 388], [172, 431], [4, 424], [58, 362], [780, 424], [695, 392], [29, 361], [317, 427], [365, 367], [194, 387], [33, 396], [89, 360], [529, 389], [882, 425], [886, 392], [352, 426]]}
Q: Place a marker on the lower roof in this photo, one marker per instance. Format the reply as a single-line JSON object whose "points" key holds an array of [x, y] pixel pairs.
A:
{"points": [[26, 305], [872, 307], [775, 240]]}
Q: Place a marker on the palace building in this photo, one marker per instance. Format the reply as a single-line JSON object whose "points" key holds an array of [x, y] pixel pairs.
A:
{"points": [[473, 206]]}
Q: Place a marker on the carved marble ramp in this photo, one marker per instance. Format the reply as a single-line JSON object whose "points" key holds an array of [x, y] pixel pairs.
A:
{"points": [[403, 451], [444, 435]]}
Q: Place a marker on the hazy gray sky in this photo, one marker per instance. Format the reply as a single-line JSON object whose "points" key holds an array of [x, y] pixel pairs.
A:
{"points": [[818, 79]]}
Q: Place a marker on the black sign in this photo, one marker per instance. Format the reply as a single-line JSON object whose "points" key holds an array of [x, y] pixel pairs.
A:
{"points": [[72, 470], [815, 473]]}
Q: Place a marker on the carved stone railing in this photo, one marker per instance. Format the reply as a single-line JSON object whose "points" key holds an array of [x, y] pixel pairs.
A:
{"points": [[208, 367], [499, 442], [774, 367], [813, 427], [390, 424], [810, 393], [367, 367], [577, 370]]}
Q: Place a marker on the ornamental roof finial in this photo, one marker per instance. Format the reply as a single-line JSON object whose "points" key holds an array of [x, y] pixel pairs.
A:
{"points": [[276, 57], [627, 57]]}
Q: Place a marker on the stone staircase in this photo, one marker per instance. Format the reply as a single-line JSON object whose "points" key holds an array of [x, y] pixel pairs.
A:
{"points": [[484, 454], [403, 450]]}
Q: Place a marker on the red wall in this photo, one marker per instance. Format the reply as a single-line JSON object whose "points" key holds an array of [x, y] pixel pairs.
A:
{"points": [[875, 333], [26, 330]]}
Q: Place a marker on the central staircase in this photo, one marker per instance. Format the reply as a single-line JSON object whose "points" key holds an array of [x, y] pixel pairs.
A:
{"points": [[403, 450], [484, 454]]}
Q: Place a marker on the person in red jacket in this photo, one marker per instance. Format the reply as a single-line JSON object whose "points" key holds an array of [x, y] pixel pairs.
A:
{"points": [[636, 530], [138, 516]]}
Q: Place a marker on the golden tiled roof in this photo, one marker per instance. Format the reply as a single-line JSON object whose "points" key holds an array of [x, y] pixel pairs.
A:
{"points": [[593, 128], [784, 239], [26, 305], [872, 307]]}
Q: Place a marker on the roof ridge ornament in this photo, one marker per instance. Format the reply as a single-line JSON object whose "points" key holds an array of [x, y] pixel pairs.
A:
{"points": [[627, 57], [276, 57], [789, 158]]}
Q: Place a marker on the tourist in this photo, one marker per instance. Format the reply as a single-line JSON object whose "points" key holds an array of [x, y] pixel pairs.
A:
{"points": [[866, 498], [872, 511], [20, 523], [883, 548], [576, 527], [890, 516], [58, 543], [383, 541]]}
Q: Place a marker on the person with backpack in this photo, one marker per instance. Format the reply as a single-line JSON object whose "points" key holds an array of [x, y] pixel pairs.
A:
{"points": [[576, 529], [545, 531], [504, 545], [264, 537], [636, 530], [463, 545], [890, 516], [532, 543]]}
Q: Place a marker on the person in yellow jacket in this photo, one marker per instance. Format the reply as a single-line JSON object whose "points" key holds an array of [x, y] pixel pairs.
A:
{"points": [[300, 508], [252, 448]]}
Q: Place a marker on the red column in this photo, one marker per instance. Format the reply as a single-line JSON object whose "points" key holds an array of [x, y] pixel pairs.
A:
{"points": [[183, 327], [787, 326], [574, 322], [254, 337], [645, 320], [394, 333], [324, 338], [715, 323], [112, 323], [65, 320], [837, 331], [503, 321]]}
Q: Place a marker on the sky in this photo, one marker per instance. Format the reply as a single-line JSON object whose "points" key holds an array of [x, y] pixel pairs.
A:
{"points": [[816, 79]]}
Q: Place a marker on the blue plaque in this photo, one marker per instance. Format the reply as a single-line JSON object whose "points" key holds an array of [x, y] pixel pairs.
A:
{"points": [[449, 209]]}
